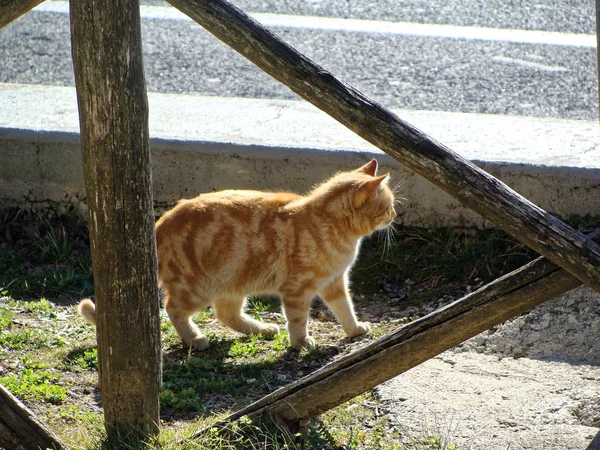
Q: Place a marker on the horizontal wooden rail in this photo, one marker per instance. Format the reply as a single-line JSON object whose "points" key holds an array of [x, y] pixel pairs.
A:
{"points": [[460, 178], [11, 10], [414, 343]]}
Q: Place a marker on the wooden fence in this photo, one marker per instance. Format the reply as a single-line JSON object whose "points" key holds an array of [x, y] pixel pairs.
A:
{"points": [[113, 112]]}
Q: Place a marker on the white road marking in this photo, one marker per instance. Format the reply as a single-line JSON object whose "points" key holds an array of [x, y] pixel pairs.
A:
{"points": [[374, 26], [529, 64]]}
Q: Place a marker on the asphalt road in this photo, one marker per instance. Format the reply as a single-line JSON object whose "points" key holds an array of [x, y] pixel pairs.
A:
{"points": [[417, 72]]}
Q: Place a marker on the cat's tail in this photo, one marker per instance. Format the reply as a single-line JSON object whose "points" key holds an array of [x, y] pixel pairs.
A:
{"points": [[87, 309]]}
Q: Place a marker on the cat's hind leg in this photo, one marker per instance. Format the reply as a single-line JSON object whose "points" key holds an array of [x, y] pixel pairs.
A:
{"points": [[230, 312], [181, 305]]}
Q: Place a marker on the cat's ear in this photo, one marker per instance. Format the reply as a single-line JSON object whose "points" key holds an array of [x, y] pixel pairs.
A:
{"points": [[367, 191], [369, 168]]}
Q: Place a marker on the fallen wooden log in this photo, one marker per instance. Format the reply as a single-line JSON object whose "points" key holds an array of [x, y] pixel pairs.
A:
{"points": [[11, 10], [505, 298], [463, 180], [20, 429]]}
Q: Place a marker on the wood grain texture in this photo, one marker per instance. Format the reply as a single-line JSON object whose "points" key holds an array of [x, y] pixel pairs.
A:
{"points": [[507, 297], [460, 178], [113, 113], [20, 429], [11, 10]]}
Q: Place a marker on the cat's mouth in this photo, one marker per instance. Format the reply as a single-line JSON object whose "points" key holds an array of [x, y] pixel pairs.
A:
{"points": [[385, 224]]}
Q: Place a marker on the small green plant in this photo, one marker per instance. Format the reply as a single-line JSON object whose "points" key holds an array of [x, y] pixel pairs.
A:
{"points": [[280, 341], [435, 443], [56, 245], [84, 358], [35, 385], [182, 400], [73, 414], [205, 316], [41, 309], [263, 304], [43, 253], [245, 347], [28, 339], [6, 318]]}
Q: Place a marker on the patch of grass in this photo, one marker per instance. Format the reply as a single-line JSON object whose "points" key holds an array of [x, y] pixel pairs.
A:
{"points": [[43, 253], [263, 304], [6, 318], [245, 347], [438, 257], [28, 339], [185, 399], [35, 383], [75, 424], [82, 358], [281, 341], [187, 383], [41, 309]]}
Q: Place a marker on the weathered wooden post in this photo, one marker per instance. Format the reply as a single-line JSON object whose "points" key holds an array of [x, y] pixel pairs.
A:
{"points": [[113, 114]]}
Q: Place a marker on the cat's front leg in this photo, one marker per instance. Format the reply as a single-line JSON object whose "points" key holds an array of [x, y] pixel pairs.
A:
{"points": [[296, 310], [337, 297]]}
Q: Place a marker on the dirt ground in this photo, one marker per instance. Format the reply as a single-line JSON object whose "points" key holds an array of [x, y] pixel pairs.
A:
{"points": [[532, 383]]}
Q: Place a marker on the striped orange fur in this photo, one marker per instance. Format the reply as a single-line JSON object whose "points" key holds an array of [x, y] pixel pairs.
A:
{"points": [[220, 247]]}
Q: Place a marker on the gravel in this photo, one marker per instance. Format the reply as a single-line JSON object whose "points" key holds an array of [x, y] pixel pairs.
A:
{"points": [[531, 383]]}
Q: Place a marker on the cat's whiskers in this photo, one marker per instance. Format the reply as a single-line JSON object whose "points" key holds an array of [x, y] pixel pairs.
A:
{"points": [[390, 235], [398, 199]]}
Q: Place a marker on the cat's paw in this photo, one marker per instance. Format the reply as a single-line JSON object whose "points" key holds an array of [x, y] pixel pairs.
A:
{"points": [[269, 330], [199, 343], [361, 328], [305, 342]]}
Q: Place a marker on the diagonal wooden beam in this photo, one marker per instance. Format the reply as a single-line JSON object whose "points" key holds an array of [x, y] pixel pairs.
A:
{"points": [[393, 354], [459, 177], [20, 429], [11, 10]]}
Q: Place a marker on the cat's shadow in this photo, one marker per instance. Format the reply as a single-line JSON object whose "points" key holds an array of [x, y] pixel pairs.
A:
{"points": [[224, 378], [230, 374]]}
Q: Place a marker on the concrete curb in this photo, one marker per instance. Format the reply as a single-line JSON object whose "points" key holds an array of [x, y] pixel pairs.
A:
{"points": [[201, 144]]}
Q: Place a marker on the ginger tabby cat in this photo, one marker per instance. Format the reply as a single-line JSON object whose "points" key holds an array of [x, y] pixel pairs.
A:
{"points": [[220, 247]]}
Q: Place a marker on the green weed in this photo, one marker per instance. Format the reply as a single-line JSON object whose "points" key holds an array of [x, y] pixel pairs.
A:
{"points": [[28, 339], [83, 358], [72, 415], [438, 257], [56, 245], [263, 304], [41, 309], [6, 318], [185, 399], [280, 341], [35, 385], [245, 347], [43, 253]]}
